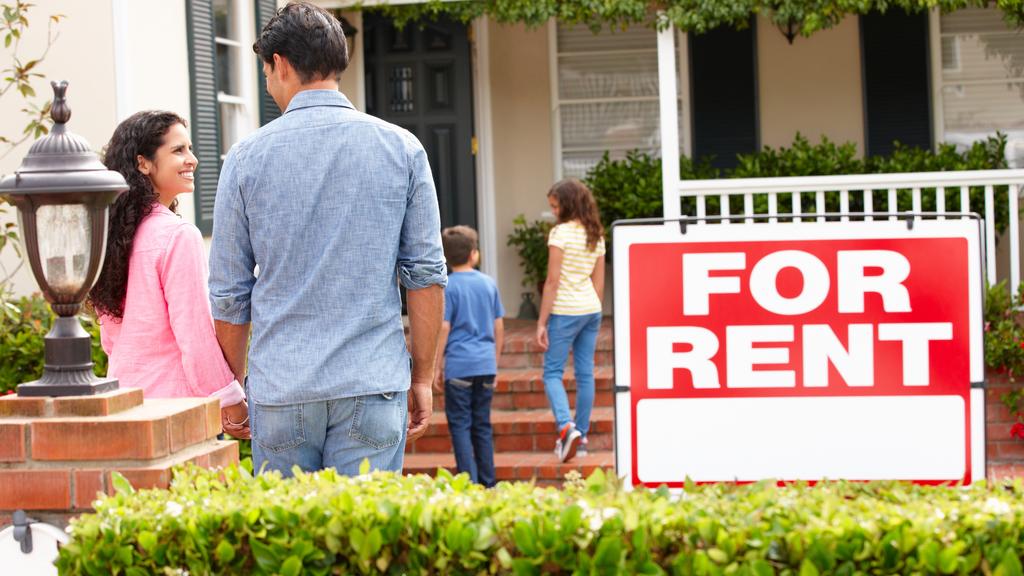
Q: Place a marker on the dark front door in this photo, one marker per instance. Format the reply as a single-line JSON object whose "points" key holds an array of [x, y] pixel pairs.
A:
{"points": [[419, 79]]}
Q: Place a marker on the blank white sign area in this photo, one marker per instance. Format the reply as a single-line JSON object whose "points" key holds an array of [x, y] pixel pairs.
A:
{"points": [[856, 438]]}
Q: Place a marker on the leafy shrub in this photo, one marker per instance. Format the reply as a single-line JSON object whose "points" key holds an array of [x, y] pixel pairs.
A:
{"points": [[1004, 347], [631, 188], [231, 523], [21, 342], [531, 243]]}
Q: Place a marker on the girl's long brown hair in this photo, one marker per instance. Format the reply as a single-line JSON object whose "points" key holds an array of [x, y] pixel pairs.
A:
{"points": [[139, 135], [576, 202]]}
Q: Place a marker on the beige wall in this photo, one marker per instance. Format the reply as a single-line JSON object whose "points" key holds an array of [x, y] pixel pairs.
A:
{"points": [[523, 156], [351, 84], [152, 65], [812, 86], [83, 55]]}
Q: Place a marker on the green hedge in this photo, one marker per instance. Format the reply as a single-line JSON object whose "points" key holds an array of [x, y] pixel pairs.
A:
{"points": [[22, 330], [631, 187], [231, 523]]}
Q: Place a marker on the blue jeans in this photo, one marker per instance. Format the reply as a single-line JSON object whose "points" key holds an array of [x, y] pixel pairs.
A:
{"points": [[578, 333], [337, 434], [467, 404]]}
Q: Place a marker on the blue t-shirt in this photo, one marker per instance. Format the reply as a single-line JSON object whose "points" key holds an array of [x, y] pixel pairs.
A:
{"points": [[471, 304]]}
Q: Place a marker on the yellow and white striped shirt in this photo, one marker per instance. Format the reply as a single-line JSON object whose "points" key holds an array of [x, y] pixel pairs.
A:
{"points": [[576, 295]]}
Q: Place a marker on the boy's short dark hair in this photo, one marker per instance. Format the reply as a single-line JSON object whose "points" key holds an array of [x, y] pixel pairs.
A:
{"points": [[459, 242], [309, 37]]}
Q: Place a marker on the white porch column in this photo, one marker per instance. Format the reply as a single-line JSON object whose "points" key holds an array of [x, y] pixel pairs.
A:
{"points": [[667, 93]]}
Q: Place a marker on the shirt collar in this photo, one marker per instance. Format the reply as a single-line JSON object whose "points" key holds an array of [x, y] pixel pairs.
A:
{"points": [[310, 98], [158, 207]]}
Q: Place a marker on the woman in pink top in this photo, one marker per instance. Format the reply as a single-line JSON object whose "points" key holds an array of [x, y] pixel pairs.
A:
{"points": [[155, 322]]}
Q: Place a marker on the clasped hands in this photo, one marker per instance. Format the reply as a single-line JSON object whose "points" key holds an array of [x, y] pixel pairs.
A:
{"points": [[234, 420]]}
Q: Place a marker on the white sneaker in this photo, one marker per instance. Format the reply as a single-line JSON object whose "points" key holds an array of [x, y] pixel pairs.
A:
{"points": [[582, 449]]}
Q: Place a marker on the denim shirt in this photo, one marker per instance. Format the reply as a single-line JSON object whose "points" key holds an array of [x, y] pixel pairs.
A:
{"points": [[335, 207]]}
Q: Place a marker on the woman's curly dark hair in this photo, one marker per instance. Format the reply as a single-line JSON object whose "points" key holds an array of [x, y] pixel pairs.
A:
{"points": [[139, 135]]}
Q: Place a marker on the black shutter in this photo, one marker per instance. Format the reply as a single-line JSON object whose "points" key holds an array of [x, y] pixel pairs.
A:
{"points": [[265, 10], [897, 98], [202, 53], [723, 80]]}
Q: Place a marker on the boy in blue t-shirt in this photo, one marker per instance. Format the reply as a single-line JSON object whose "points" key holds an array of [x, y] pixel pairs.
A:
{"points": [[471, 339]]}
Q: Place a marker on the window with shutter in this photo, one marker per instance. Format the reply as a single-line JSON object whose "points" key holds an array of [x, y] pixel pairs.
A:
{"points": [[723, 68], [265, 10], [897, 97], [982, 80], [224, 85], [205, 115]]}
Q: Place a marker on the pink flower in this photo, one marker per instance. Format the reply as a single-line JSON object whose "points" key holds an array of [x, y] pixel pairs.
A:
{"points": [[1017, 430]]}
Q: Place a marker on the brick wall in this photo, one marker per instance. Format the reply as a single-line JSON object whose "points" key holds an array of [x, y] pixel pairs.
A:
{"points": [[57, 454], [1005, 455]]}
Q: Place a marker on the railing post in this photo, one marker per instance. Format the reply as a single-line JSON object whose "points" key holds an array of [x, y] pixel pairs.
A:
{"points": [[990, 235], [1013, 195], [669, 102]]}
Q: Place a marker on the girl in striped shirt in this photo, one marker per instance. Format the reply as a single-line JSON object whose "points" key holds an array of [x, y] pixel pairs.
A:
{"points": [[570, 310]]}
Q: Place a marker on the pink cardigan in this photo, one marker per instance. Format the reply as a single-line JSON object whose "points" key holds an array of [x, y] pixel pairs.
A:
{"points": [[165, 344]]}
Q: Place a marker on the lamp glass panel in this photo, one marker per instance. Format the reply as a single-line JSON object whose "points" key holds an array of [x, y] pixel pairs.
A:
{"points": [[64, 234]]}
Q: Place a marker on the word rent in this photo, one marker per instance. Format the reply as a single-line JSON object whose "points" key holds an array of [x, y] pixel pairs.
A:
{"points": [[749, 348]]}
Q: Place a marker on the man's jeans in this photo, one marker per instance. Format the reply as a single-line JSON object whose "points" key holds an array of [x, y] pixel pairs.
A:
{"points": [[335, 434], [467, 404], [578, 333]]}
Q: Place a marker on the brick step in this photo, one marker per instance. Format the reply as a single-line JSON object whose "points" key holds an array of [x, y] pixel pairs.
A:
{"points": [[519, 430], [541, 467], [145, 432], [520, 349], [536, 359], [524, 389]]}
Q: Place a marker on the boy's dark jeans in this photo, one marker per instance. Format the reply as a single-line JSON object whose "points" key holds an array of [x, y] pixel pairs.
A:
{"points": [[467, 404]]}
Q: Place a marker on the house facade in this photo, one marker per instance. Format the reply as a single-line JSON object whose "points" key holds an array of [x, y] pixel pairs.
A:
{"points": [[505, 110]]}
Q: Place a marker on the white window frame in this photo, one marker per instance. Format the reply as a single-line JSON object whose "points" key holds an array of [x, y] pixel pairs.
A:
{"points": [[938, 83], [682, 81], [242, 26]]}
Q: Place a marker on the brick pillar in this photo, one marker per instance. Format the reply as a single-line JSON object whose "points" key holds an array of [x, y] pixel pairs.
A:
{"points": [[1005, 454], [56, 454]]}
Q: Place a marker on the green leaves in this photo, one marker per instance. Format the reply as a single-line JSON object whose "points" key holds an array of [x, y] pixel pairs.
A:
{"points": [[531, 243], [121, 484], [631, 187], [801, 17], [23, 325], [225, 552], [230, 522]]}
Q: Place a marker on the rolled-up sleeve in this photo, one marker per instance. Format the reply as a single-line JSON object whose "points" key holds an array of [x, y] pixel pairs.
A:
{"points": [[420, 256], [181, 275], [232, 263]]}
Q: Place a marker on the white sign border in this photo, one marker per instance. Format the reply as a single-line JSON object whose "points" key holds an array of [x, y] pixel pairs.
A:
{"points": [[626, 235]]}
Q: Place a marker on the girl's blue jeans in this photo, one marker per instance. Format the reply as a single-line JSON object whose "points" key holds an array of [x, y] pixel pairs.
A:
{"points": [[579, 334]]}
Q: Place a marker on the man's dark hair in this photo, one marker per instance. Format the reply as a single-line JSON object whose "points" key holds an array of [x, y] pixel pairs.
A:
{"points": [[309, 37], [459, 242]]}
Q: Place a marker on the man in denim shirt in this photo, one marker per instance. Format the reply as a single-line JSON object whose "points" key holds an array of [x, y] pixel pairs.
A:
{"points": [[335, 208]]}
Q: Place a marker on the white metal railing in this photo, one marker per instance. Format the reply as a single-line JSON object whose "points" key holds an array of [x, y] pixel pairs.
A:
{"points": [[764, 200]]}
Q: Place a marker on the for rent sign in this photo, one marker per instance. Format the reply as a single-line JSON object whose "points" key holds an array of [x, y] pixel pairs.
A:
{"points": [[799, 352]]}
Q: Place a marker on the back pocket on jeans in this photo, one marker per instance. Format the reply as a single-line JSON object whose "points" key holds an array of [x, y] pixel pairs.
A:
{"points": [[278, 428], [379, 420]]}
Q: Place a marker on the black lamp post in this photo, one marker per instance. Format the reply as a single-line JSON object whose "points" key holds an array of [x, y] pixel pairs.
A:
{"points": [[63, 193]]}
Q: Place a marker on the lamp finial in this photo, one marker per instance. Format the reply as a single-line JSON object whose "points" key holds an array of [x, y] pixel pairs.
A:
{"points": [[59, 110]]}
